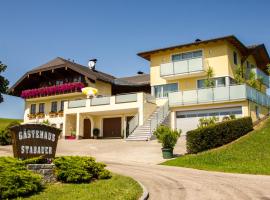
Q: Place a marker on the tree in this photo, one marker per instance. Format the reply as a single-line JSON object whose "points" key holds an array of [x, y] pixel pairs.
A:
{"points": [[209, 82], [3, 82], [239, 75]]}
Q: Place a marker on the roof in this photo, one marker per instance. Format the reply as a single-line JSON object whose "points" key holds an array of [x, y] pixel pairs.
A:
{"points": [[140, 79], [61, 62], [258, 51]]}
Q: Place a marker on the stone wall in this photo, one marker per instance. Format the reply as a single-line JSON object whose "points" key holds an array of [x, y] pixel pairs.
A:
{"points": [[46, 170]]}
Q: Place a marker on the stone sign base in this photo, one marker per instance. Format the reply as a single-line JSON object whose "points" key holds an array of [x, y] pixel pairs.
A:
{"points": [[46, 170]]}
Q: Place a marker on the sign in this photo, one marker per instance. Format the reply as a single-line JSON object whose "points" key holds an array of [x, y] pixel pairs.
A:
{"points": [[34, 140]]}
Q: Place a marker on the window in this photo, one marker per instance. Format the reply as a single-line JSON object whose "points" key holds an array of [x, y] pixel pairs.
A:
{"points": [[185, 56], [33, 109], [232, 81], [41, 108], [235, 61], [54, 106], [62, 105], [218, 82], [164, 90], [201, 84]]}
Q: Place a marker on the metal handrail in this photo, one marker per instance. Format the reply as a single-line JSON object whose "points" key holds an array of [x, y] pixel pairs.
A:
{"points": [[160, 116], [133, 123]]}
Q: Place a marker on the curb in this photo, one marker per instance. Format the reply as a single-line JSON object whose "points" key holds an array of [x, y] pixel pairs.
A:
{"points": [[145, 194]]}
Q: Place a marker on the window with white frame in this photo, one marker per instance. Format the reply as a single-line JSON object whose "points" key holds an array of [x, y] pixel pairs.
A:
{"points": [[218, 82], [186, 56], [164, 90]]}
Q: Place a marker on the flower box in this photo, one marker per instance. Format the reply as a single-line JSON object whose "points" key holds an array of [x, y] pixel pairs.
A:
{"points": [[52, 90], [61, 113], [53, 114], [40, 115], [31, 116]]}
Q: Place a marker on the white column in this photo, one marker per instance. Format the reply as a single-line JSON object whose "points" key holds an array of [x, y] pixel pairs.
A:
{"points": [[64, 126], [140, 110], [173, 125], [125, 126], [77, 125]]}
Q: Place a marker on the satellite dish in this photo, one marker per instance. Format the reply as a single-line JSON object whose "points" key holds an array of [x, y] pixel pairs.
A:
{"points": [[91, 64]]}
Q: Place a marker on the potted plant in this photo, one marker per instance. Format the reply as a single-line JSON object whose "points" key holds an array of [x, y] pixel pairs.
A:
{"points": [[96, 133], [60, 113], [52, 114], [31, 116], [168, 138], [40, 115], [72, 135]]}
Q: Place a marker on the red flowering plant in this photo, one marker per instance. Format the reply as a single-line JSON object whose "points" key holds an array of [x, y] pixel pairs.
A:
{"points": [[52, 90]]}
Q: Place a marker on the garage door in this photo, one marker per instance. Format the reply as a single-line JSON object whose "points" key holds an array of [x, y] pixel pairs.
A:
{"points": [[189, 120], [112, 127]]}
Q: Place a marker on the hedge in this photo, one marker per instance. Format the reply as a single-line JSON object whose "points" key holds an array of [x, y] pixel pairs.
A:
{"points": [[16, 180], [218, 134], [76, 169]]}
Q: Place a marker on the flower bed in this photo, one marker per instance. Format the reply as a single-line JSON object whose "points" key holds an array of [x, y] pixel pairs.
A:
{"points": [[52, 90]]}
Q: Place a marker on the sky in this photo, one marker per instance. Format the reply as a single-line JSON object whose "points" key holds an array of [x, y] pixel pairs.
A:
{"points": [[34, 32]]}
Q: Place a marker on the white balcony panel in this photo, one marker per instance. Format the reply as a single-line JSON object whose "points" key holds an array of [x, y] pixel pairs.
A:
{"points": [[221, 93], [125, 98], [181, 67], [100, 101], [237, 92], [166, 69], [205, 95], [175, 98], [195, 64], [190, 97], [77, 103]]}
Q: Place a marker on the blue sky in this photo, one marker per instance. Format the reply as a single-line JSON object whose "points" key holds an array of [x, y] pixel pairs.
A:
{"points": [[33, 32]]}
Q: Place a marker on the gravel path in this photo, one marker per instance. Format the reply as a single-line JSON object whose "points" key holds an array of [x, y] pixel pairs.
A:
{"points": [[171, 183]]}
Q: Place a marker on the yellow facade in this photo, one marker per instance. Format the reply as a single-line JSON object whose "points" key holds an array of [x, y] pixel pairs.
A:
{"points": [[218, 56]]}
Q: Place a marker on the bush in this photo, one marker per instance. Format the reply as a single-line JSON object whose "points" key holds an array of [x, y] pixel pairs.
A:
{"points": [[16, 180], [216, 135], [5, 135], [75, 169], [167, 136], [96, 132]]}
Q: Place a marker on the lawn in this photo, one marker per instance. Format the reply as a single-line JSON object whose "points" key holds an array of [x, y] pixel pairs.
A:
{"points": [[249, 154], [4, 122], [118, 187]]}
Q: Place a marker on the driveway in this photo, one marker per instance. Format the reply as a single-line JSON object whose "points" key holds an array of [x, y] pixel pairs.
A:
{"points": [[139, 160]]}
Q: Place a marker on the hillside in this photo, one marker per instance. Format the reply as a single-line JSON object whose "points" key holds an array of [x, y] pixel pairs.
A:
{"points": [[249, 154], [4, 122]]}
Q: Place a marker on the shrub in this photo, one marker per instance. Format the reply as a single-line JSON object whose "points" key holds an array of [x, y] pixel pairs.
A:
{"points": [[5, 135], [167, 136], [96, 132], [216, 135], [75, 169], [16, 180]]}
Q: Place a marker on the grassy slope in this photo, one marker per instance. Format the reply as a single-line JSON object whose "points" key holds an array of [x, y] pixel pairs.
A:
{"points": [[249, 154], [118, 187], [4, 122]]}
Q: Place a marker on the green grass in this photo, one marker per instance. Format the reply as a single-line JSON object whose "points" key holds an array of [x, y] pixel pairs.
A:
{"points": [[118, 187], [249, 154], [4, 122]]}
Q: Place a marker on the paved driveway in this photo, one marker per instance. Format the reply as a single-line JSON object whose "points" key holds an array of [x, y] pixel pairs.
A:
{"points": [[139, 160]]}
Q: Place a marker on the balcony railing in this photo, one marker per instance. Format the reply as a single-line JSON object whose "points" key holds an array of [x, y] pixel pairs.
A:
{"points": [[218, 94], [182, 67], [260, 74], [99, 101]]}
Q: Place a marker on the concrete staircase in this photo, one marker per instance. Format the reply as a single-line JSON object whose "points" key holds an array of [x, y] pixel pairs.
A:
{"points": [[144, 132]]}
